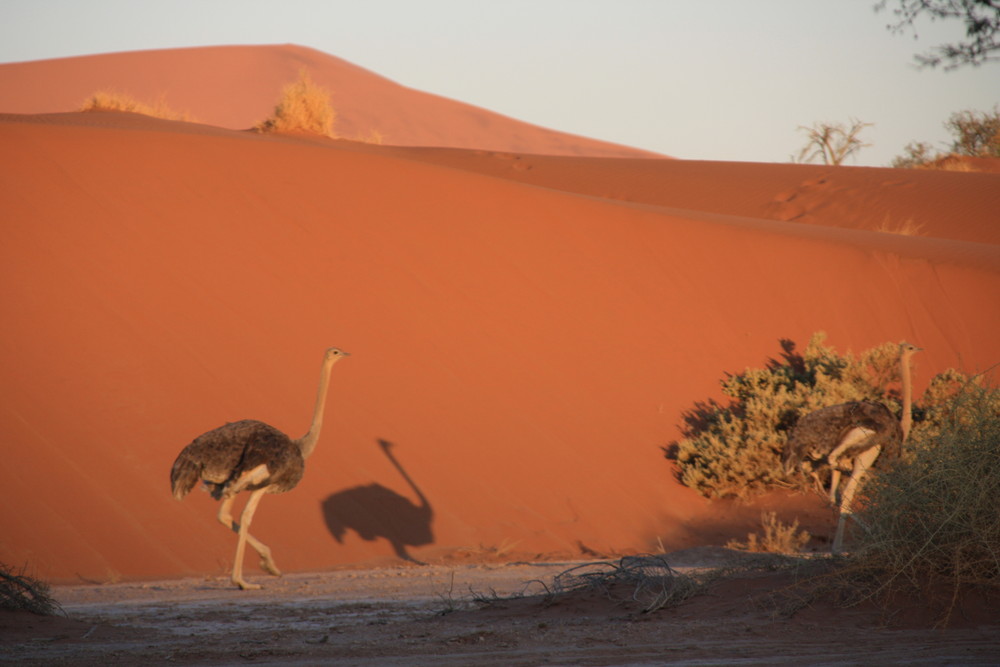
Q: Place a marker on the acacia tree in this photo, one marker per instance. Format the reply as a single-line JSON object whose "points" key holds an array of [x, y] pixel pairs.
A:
{"points": [[976, 134], [982, 29], [832, 142]]}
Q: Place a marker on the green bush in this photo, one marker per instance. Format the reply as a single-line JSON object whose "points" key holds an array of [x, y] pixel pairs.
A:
{"points": [[735, 449], [933, 518]]}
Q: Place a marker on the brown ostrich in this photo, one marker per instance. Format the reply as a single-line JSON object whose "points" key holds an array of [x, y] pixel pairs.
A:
{"points": [[250, 456], [857, 433]]}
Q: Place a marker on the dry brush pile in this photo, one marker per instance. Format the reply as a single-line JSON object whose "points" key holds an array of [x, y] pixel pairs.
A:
{"points": [[20, 592]]}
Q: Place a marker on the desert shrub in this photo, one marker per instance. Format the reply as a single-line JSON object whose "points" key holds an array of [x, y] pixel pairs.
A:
{"points": [[20, 592], [734, 449], [104, 100], [303, 106], [933, 518], [778, 537]]}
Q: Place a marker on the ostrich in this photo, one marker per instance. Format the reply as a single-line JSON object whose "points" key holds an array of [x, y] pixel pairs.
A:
{"points": [[250, 456], [857, 431]]}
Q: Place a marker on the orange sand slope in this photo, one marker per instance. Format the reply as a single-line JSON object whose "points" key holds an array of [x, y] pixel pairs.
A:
{"points": [[527, 348], [237, 86]]}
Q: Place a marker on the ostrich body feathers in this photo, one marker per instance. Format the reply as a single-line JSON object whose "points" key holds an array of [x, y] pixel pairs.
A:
{"points": [[819, 433], [219, 457]]}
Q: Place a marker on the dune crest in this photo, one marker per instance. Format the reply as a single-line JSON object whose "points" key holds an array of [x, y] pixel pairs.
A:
{"points": [[237, 86]]}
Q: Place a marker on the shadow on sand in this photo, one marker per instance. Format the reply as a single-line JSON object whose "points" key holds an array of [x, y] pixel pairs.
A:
{"points": [[374, 511]]}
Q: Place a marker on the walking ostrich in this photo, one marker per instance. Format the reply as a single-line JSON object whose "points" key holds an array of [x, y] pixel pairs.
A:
{"points": [[858, 432], [250, 456]]}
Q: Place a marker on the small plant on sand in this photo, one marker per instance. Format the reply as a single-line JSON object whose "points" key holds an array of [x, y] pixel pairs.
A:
{"points": [[20, 592], [778, 537], [931, 523], [303, 107], [373, 137], [734, 449], [906, 227], [104, 100]]}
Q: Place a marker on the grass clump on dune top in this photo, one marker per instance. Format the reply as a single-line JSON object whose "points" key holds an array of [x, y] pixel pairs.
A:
{"points": [[303, 107], [104, 100]]}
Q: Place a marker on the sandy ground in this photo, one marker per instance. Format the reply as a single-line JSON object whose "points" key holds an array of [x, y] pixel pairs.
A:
{"points": [[429, 615]]}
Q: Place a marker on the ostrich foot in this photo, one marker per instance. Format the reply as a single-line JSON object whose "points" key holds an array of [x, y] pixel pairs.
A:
{"points": [[268, 566], [246, 586]]}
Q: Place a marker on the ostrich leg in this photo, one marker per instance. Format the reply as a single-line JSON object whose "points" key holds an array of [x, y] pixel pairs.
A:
{"points": [[245, 518], [225, 517], [862, 463]]}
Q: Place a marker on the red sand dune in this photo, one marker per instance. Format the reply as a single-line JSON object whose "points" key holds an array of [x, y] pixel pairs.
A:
{"points": [[526, 330], [237, 86]]}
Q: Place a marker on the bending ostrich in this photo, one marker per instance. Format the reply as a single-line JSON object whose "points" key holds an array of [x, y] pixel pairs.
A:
{"points": [[857, 431], [250, 456]]}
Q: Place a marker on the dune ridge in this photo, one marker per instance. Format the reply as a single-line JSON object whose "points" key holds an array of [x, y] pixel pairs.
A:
{"points": [[237, 86]]}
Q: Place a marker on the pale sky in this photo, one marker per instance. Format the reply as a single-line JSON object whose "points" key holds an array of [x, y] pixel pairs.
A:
{"points": [[720, 80]]}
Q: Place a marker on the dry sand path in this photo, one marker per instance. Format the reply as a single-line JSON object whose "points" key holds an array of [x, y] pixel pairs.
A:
{"points": [[427, 615]]}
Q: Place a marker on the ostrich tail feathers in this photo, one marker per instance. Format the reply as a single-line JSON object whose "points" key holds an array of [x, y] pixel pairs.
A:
{"points": [[183, 476]]}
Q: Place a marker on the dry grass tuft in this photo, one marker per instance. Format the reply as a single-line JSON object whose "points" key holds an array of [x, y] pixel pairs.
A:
{"points": [[902, 227], [104, 100], [20, 592], [303, 107], [778, 537], [373, 137]]}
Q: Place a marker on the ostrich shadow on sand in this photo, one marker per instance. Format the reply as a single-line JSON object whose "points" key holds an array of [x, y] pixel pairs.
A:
{"points": [[374, 511]]}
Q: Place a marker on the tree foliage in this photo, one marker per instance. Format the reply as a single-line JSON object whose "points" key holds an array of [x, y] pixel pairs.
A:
{"points": [[982, 29], [832, 143], [974, 134]]}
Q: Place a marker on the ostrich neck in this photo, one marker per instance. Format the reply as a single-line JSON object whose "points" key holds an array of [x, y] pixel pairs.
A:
{"points": [[906, 420], [307, 443]]}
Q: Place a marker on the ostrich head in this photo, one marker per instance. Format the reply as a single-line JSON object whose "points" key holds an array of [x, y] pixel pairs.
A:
{"points": [[335, 354]]}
